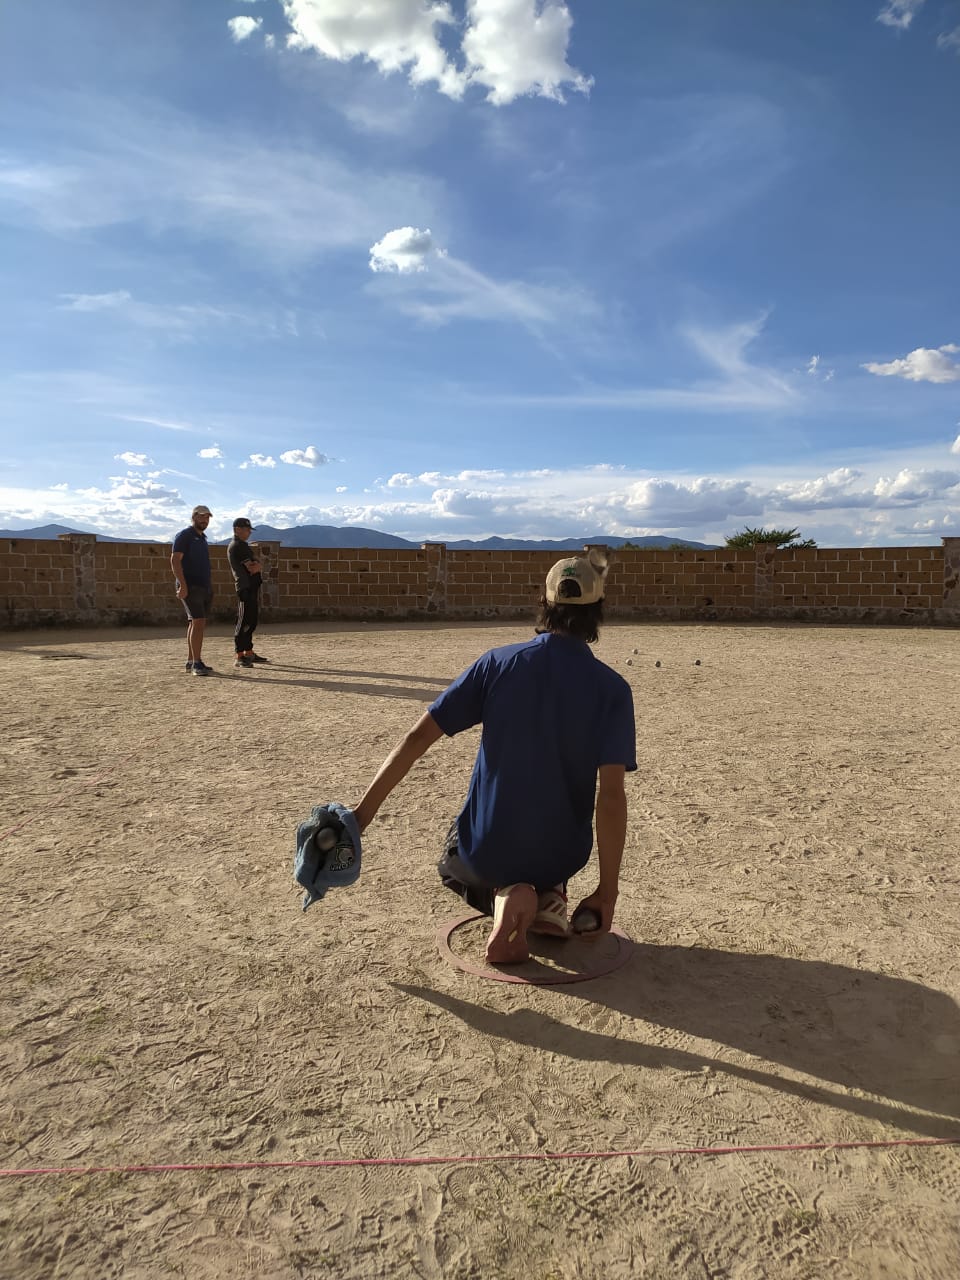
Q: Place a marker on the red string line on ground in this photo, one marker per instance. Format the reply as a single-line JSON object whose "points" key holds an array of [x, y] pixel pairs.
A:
{"points": [[353, 1162]]}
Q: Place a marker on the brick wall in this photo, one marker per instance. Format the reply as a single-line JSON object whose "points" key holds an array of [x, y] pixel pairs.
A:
{"points": [[77, 580]]}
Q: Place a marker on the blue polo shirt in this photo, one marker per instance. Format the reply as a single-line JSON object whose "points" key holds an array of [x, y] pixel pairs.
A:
{"points": [[552, 714], [196, 557]]}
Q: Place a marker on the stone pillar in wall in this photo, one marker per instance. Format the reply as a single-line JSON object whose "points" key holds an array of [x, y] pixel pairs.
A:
{"points": [[951, 573], [763, 596], [436, 576], [268, 553], [84, 546]]}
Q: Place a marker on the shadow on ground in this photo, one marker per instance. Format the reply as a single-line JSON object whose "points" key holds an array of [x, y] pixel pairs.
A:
{"points": [[865, 1032]]}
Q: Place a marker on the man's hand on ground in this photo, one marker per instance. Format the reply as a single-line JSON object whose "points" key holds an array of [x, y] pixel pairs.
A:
{"points": [[604, 905]]}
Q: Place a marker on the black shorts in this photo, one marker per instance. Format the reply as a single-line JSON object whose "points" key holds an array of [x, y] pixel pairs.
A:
{"points": [[197, 603], [460, 879]]}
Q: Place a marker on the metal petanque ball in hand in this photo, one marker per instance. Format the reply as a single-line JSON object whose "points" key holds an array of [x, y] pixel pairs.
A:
{"points": [[326, 839], [585, 920]]}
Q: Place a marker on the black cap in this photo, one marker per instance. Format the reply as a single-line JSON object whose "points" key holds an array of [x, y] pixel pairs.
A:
{"points": [[242, 522]]}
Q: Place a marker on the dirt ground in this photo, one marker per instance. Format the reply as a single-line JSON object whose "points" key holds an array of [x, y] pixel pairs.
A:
{"points": [[791, 885]]}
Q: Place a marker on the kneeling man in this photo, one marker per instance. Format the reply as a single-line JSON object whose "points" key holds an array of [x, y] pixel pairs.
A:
{"points": [[555, 720]]}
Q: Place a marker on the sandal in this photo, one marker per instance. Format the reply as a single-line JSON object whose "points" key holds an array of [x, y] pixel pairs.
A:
{"points": [[514, 908], [551, 917]]}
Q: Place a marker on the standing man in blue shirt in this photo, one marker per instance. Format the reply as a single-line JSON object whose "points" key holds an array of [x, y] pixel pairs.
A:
{"points": [[190, 562], [555, 721]]}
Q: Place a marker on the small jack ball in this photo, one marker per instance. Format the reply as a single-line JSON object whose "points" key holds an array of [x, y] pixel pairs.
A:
{"points": [[657, 663], [629, 662], [697, 663]]}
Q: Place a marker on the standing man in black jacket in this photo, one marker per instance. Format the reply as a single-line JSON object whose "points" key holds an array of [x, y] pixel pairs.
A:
{"points": [[247, 576]]}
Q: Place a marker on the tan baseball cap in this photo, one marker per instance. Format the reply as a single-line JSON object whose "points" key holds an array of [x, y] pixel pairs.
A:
{"points": [[201, 511], [577, 580]]}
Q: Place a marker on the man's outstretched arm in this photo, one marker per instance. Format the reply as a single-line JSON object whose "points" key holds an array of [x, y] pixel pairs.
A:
{"points": [[396, 767]]}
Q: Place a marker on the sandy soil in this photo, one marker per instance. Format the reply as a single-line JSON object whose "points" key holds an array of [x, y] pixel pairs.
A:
{"points": [[791, 884]]}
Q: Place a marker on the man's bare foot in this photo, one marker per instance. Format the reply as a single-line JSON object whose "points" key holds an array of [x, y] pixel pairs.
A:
{"points": [[514, 909]]}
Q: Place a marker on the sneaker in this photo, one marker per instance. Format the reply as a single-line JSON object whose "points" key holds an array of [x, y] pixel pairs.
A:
{"points": [[255, 657], [188, 666], [551, 917], [242, 660], [201, 669]]}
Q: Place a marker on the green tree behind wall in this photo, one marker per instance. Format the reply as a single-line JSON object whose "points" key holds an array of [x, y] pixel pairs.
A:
{"points": [[782, 538]]}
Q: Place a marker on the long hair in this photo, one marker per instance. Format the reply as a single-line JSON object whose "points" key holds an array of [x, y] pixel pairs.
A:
{"points": [[582, 621]]}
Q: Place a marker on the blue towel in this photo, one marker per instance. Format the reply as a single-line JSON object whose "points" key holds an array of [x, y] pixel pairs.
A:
{"points": [[318, 871]]}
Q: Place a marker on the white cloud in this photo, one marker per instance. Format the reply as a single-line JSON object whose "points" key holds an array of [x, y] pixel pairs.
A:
{"points": [[396, 35], [925, 364], [897, 500], [519, 47], [462, 502], [911, 487], [899, 13], [341, 488], [258, 460], [243, 28], [309, 457], [509, 47], [835, 489], [401, 480], [214, 451], [671, 503], [403, 250], [133, 488], [950, 40], [132, 459], [813, 364], [955, 447]]}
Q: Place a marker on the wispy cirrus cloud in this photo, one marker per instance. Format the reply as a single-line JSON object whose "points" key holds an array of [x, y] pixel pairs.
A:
{"points": [[437, 288], [175, 320], [899, 13], [288, 203], [739, 384], [165, 424]]}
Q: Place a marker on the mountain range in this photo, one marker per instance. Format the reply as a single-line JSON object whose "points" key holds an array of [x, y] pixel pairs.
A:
{"points": [[328, 535]]}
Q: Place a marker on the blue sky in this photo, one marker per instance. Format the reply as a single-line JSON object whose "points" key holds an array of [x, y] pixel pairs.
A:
{"points": [[480, 267]]}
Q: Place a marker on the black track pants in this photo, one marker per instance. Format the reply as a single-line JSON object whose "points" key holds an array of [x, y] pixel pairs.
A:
{"points": [[248, 615]]}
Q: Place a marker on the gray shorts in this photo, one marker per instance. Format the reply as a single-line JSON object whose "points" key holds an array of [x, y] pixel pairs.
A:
{"points": [[197, 602]]}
